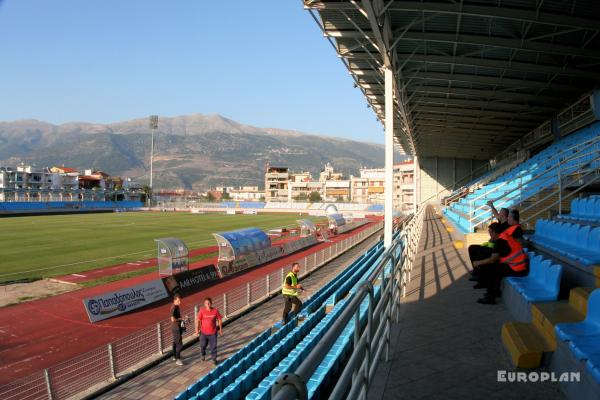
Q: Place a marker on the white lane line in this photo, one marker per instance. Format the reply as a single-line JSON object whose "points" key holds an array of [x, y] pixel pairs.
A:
{"points": [[79, 275]]}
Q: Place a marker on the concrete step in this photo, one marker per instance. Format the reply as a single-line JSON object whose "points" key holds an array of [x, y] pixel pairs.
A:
{"points": [[525, 344]]}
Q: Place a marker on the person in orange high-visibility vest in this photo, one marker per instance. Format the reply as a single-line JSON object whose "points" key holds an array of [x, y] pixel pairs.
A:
{"points": [[507, 259]]}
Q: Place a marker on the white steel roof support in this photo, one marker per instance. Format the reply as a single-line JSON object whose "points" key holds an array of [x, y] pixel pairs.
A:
{"points": [[389, 156]]}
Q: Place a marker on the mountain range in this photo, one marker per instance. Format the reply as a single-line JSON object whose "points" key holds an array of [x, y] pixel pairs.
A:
{"points": [[194, 151]]}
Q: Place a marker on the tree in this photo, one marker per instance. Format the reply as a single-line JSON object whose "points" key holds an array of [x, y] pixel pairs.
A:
{"points": [[210, 197], [225, 196], [147, 193], [301, 197], [314, 197]]}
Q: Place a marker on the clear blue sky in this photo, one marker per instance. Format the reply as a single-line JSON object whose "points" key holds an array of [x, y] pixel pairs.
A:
{"points": [[261, 63]]}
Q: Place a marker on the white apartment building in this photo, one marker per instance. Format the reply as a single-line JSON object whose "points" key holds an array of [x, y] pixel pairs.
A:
{"points": [[246, 193], [31, 183]]}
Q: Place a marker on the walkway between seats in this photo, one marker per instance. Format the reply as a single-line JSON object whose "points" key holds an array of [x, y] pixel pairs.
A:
{"points": [[167, 380], [447, 346]]}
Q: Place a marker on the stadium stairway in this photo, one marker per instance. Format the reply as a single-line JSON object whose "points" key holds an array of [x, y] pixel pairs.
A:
{"points": [[253, 369], [577, 152], [446, 345], [560, 334]]}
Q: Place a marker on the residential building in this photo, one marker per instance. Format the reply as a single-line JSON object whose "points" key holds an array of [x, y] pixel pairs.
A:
{"points": [[246, 193], [276, 183], [31, 183], [404, 186], [328, 174], [337, 190]]}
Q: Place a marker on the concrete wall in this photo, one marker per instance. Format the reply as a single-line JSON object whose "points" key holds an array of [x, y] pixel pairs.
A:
{"points": [[440, 174]]}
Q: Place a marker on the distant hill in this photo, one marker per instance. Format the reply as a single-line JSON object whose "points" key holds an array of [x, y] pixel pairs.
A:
{"points": [[192, 151]]}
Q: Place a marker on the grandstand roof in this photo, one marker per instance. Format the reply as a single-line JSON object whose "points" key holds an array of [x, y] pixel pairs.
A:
{"points": [[471, 76]]}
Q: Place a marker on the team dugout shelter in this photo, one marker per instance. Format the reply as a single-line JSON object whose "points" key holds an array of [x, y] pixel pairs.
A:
{"points": [[172, 257], [307, 227], [241, 242]]}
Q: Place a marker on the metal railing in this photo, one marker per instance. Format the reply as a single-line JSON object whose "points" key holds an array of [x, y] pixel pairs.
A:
{"points": [[371, 339], [103, 366], [500, 169], [553, 171]]}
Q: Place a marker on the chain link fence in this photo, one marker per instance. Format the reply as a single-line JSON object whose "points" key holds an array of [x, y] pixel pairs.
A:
{"points": [[102, 366]]}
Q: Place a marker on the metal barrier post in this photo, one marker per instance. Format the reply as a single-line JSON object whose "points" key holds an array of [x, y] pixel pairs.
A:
{"points": [[248, 293], [48, 383], [196, 311], [268, 284], [111, 361], [159, 338], [225, 305], [559, 190]]}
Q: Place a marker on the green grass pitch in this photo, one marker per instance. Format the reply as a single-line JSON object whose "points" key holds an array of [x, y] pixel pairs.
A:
{"points": [[46, 246]]}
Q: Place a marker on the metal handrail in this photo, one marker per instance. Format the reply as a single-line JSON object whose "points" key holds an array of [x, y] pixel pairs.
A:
{"points": [[455, 182], [560, 199], [370, 339], [498, 171], [587, 143], [546, 175]]}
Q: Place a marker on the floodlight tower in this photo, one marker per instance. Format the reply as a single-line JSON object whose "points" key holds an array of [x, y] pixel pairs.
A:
{"points": [[153, 126]]}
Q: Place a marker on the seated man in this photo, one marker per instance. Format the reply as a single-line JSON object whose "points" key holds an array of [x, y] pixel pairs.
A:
{"points": [[480, 252], [514, 228], [507, 259]]}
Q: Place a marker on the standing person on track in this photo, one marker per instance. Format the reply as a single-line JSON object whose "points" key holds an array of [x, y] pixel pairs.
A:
{"points": [[206, 327], [290, 290], [177, 324]]}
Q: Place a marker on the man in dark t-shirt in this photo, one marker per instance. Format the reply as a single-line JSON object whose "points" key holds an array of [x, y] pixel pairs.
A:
{"points": [[489, 269], [176, 328], [501, 216]]}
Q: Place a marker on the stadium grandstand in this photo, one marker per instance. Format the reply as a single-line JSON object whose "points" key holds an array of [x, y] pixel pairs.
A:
{"points": [[497, 102]]}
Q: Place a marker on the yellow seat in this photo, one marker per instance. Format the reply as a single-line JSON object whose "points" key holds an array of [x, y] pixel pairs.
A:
{"points": [[524, 343]]}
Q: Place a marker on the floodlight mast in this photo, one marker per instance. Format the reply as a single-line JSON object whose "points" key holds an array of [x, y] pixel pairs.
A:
{"points": [[153, 126]]}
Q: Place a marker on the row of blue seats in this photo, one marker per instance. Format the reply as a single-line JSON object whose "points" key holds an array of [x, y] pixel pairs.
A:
{"points": [[579, 242], [67, 205], [584, 337], [252, 204], [300, 350], [293, 360], [542, 283], [375, 208], [326, 372], [585, 209], [247, 374], [460, 221], [507, 185], [218, 380]]}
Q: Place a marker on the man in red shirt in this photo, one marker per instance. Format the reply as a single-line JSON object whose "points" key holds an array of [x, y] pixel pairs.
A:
{"points": [[206, 327]]}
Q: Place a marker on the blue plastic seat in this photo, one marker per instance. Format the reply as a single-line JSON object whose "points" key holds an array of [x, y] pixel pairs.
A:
{"points": [[586, 328]]}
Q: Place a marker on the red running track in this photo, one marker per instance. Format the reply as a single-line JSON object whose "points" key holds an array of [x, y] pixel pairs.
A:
{"points": [[41, 333], [122, 268]]}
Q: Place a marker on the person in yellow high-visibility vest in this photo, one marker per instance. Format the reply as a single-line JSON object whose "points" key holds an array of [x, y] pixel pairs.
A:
{"points": [[290, 290]]}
